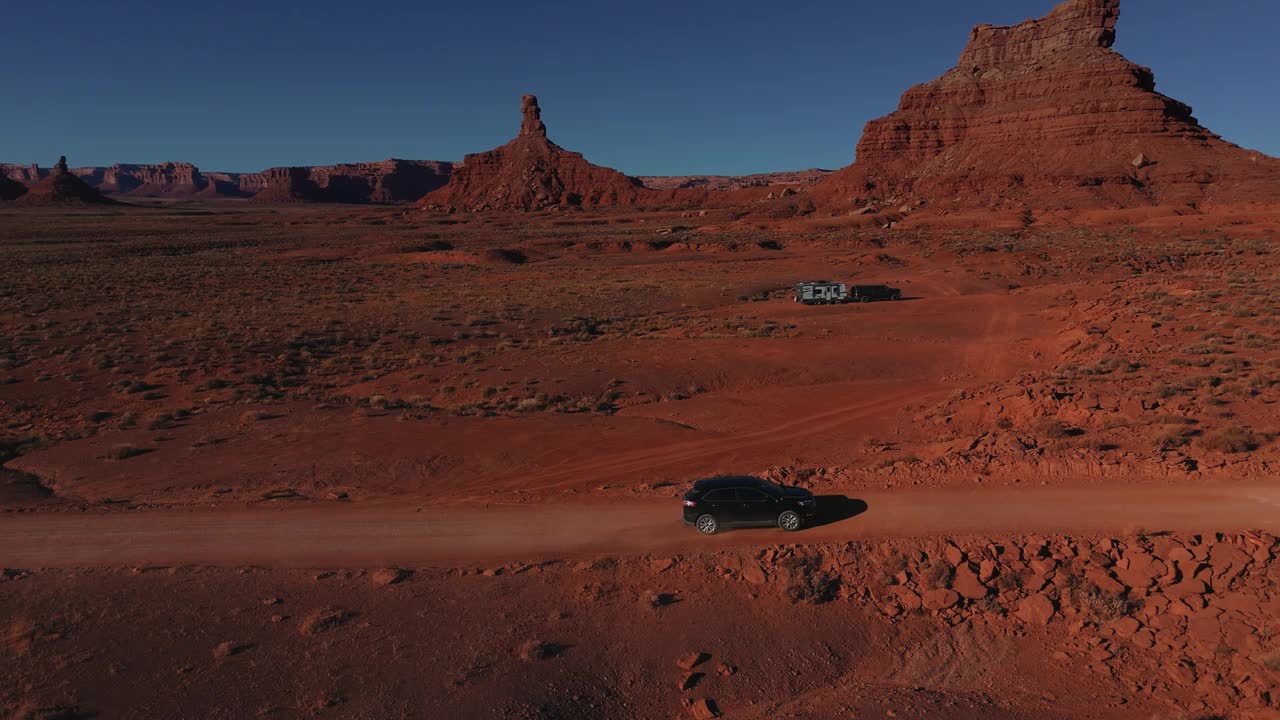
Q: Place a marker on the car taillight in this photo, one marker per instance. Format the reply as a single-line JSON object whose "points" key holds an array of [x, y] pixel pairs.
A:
{"points": [[690, 503]]}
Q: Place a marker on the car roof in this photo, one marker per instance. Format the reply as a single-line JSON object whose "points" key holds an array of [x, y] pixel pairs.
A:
{"points": [[724, 481]]}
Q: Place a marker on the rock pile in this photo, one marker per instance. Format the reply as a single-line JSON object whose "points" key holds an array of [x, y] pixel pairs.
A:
{"points": [[1200, 609]]}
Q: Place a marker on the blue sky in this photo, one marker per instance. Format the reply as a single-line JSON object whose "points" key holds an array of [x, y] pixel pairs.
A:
{"points": [[660, 87]]}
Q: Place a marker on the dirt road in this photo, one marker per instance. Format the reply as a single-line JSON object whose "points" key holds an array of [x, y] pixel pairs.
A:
{"points": [[397, 533]]}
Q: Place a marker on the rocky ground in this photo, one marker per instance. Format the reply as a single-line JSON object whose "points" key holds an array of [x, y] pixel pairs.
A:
{"points": [[1024, 627], [225, 361]]}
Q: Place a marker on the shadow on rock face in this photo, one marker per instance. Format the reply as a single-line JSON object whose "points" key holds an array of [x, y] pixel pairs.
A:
{"points": [[837, 508]]}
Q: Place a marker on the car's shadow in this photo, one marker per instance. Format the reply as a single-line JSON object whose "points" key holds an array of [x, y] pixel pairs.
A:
{"points": [[836, 508]]}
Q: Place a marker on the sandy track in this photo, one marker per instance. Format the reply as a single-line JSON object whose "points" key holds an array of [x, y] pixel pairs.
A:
{"points": [[378, 534]]}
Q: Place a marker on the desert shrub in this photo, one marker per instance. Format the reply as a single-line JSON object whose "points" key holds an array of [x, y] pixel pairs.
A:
{"points": [[1234, 439], [506, 255], [1174, 438], [1009, 580], [424, 246], [1053, 428], [805, 581], [937, 574], [124, 451], [1202, 350], [162, 421], [533, 404], [1098, 604], [13, 446]]}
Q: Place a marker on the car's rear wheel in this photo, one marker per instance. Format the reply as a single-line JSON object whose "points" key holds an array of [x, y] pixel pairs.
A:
{"points": [[864, 298], [707, 525], [789, 521], [896, 296]]}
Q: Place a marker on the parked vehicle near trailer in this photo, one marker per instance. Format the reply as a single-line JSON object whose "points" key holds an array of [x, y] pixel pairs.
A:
{"points": [[869, 293], [822, 292]]}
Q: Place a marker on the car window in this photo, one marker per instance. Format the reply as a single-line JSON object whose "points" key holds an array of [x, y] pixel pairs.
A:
{"points": [[769, 488], [751, 495], [722, 495]]}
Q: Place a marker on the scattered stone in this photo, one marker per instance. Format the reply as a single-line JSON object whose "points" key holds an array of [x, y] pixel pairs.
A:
{"points": [[319, 621], [390, 576], [231, 647], [691, 660], [753, 573], [704, 709], [535, 650]]}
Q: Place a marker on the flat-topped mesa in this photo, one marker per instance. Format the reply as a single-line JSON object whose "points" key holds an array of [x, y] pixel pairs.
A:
{"points": [[531, 125], [1073, 24], [1044, 114]]}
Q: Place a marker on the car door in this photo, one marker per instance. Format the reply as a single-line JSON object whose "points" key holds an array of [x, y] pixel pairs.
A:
{"points": [[723, 504], [757, 507]]}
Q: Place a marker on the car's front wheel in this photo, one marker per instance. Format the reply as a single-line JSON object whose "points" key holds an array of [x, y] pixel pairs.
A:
{"points": [[707, 525], [789, 520]]}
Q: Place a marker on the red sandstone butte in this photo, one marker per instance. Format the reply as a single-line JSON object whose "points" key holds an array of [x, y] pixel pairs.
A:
{"points": [[1044, 113], [531, 173], [61, 187]]}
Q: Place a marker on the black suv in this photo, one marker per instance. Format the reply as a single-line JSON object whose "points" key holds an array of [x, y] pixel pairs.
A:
{"points": [[867, 293], [741, 500]]}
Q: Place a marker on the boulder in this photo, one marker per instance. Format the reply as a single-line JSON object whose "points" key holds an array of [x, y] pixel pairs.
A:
{"points": [[1103, 581], [966, 583], [704, 709], [907, 598], [1036, 609], [390, 576], [1191, 587], [753, 573], [941, 599], [1137, 569], [691, 660]]}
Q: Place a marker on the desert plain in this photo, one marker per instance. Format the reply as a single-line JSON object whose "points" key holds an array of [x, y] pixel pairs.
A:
{"points": [[303, 455]]}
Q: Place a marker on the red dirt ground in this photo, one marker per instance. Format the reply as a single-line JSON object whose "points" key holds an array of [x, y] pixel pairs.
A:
{"points": [[207, 406]]}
